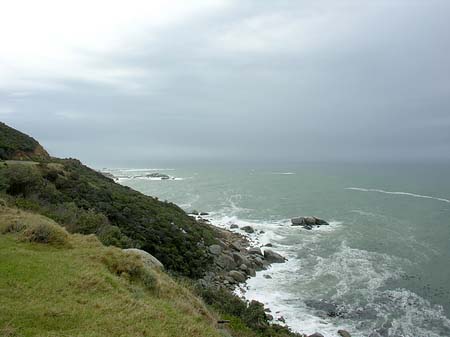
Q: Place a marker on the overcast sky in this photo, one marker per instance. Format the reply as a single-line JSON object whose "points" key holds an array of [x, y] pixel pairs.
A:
{"points": [[120, 83]]}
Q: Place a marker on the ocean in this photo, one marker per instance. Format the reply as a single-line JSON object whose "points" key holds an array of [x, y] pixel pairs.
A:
{"points": [[382, 267]]}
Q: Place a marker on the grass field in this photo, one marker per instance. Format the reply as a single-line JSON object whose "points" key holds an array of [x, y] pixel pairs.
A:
{"points": [[48, 290]]}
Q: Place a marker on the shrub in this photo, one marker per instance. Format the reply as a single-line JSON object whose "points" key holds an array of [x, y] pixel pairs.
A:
{"points": [[46, 233], [130, 266], [22, 179], [13, 227]]}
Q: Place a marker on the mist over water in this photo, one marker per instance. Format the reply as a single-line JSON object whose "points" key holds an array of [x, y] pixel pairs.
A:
{"points": [[383, 264]]}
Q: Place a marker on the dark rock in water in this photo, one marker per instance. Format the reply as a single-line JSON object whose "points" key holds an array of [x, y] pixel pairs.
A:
{"points": [[316, 334], [204, 213], [233, 226], [268, 245], [269, 317], [281, 319], [273, 257], [248, 229], [215, 249], [255, 250], [251, 272], [267, 276], [157, 175], [308, 222], [344, 333], [330, 309]]}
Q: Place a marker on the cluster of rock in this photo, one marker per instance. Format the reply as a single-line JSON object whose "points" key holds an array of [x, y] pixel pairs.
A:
{"points": [[235, 261], [308, 222], [157, 175]]}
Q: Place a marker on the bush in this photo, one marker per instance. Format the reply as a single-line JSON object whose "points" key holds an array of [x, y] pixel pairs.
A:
{"points": [[130, 266], [13, 227], [22, 179], [46, 233]]}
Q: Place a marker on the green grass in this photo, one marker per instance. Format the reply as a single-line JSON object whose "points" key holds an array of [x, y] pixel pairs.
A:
{"points": [[58, 291]]}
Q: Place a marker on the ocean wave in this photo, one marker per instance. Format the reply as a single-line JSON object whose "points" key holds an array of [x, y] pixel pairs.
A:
{"points": [[397, 193], [136, 169], [283, 173]]}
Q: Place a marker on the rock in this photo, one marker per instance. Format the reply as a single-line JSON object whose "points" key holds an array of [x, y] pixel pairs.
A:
{"points": [[248, 229], [148, 259], [233, 226], [321, 222], [316, 334], [235, 245], [308, 222], [298, 221], [255, 250], [215, 249], [273, 257], [237, 276], [269, 317], [251, 272], [268, 245], [267, 276], [157, 175], [226, 262], [204, 213], [281, 319], [240, 259], [243, 267], [344, 333]]}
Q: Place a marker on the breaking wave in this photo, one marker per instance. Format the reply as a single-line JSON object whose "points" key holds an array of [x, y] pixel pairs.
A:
{"points": [[397, 193]]}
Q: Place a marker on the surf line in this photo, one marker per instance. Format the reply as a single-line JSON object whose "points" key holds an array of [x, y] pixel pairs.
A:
{"points": [[397, 193]]}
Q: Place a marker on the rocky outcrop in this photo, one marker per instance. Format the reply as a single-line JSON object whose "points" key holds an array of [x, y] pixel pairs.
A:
{"points": [[308, 222], [235, 261], [148, 259], [248, 229], [157, 175], [273, 257], [344, 333]]}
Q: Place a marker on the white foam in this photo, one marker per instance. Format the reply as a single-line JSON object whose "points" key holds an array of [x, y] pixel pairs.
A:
{"points": [[397, 193], [283, 173]]}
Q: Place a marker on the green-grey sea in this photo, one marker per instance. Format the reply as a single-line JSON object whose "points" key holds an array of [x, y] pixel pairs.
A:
{"points": [[382, 267]]}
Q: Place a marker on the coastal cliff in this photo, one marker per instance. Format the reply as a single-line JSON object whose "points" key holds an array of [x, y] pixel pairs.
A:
{"points": [[40, 194]]}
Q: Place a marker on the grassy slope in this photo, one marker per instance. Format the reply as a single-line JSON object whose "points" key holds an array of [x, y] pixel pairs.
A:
{"points": [[49, 291]]}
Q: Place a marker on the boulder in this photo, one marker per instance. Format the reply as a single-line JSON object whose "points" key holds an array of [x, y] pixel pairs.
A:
{"points": [[316, 334], [240, 259], [251, 272], [248, 229], [273, 257], [255, 250], [269, 317], [344, 333], [235, 245], [268, 245], [215, 249], [204, 213], [233, 226], [237, 276], [308, 222], [226, 262], [148, 259]]}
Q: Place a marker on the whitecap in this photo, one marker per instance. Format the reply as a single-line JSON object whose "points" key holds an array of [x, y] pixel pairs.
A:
{"points": [[397, 193]]}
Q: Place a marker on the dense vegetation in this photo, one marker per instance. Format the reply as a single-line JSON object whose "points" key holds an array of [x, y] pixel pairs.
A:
{"points": [[14, 143], [86, 202]]}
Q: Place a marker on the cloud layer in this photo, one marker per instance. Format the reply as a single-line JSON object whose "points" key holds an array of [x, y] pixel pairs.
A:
{"points": [[156, 81]]}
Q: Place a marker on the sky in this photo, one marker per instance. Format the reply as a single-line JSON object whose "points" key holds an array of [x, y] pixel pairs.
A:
{"points": [[136, 83]]}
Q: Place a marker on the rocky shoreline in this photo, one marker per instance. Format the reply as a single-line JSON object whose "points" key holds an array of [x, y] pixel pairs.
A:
{"points": [[236, 260]]}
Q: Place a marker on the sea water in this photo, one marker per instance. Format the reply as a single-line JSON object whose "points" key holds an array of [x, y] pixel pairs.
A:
{"points": [[382, 267]]}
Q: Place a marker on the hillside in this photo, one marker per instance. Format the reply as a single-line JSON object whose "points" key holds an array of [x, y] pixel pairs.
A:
{"points": [[78, 287], [87, 202], [15, 145]]}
